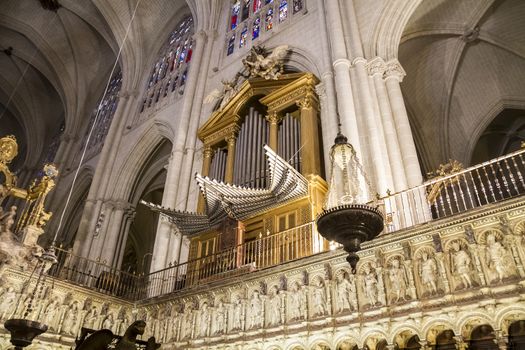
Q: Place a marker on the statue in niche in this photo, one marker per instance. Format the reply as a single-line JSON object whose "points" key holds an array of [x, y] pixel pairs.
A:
{"points": [[370, 282], [256, 310], [496, 258], [122, 320], [8, 303], [237, 314], [398, 281], [158, 325], [296, 302], [71, 319], [204, 319], [428, 272], [345, 292], [91, 318], [187, 324], [274, 307], [219, 318], [108, 322], [461, 264], [51, 315], [319, 298]]}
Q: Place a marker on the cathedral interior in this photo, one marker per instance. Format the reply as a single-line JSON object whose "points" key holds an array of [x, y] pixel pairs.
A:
{"points": [[172, 162]]}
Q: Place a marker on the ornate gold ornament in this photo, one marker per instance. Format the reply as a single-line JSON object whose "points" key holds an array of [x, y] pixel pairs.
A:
{"points": [[8, 149], [444, 170]]}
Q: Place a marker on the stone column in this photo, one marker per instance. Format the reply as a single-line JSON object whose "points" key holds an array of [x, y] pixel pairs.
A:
{"points": [[310, 160], [343, 84], [187, 168], [110, 245], [128, 219], [443, 271], [273, 119], [230, 159], [100, 178], [207, 155], [393, 76], [376, 69]]}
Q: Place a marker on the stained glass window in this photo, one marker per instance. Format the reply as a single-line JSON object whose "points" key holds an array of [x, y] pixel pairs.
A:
{"points": [[104, 115], [297, 6], [269, 19], [252, 15], [236, 7], [231, 44], [245, 9], [256, 28], [244, 35], [283, 10], [174, 57]]}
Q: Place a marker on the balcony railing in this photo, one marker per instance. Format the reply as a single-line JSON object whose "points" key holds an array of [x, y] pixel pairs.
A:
{"points": [[484, 184], [95, 275], [272, 250]]}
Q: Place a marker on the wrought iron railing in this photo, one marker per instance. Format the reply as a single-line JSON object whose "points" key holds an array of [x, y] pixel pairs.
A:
{"points": [[486, 183], [268, 251], [95, 275]]}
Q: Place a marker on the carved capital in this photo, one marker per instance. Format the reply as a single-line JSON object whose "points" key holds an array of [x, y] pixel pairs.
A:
{"points": [[273, 118], [394, 70], [306, 102], [207, 152], [230, 139], [376, 66], [200, 35]]}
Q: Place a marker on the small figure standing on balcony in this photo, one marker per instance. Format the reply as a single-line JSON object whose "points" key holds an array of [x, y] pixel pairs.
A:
{"points": [[428, 273], [461, 264]]}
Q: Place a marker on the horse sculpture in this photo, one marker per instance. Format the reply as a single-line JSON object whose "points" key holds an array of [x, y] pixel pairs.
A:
{"points": [[100, 340]]}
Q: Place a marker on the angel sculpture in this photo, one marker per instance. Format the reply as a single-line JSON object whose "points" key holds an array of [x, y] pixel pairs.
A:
{"points": [[267, 66], [229, 89]]}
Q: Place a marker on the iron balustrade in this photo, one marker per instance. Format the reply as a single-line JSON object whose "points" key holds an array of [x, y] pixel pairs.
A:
{"points": [[490, 182]]}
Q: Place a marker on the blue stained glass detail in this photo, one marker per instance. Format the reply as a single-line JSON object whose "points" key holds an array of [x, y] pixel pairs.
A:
{"points": [[231, 45], [244, 36], [236, 7], [256, 28], [283, 10]]}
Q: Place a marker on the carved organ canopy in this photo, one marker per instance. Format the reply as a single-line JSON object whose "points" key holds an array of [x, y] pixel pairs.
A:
{"points": [[282, 113]]}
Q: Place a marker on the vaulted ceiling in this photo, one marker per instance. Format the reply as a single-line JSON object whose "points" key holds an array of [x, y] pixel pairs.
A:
{"points": [[465, 63], [54, 65]]}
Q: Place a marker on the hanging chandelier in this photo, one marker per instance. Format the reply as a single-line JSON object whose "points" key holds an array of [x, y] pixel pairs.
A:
{"points": [[349, 216]]}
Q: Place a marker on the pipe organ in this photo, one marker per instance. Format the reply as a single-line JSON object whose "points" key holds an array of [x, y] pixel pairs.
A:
{"points": [[284, 114], [250, 162], [289, 140]]}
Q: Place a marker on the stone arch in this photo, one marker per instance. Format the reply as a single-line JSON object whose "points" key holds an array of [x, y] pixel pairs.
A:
{"points": [[482, 337], [297, 345], [485, 120], [505, 317], [389, 29], [319, 344], [301, 60], [371, 337], [123, 182], [403, 332], [434, 327], [466, 324]]}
